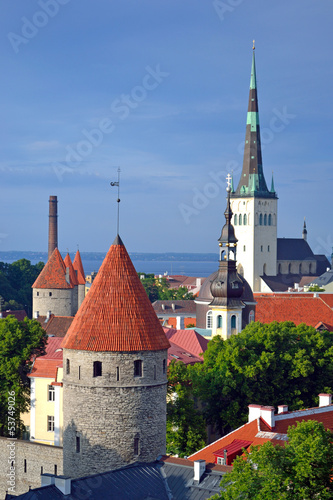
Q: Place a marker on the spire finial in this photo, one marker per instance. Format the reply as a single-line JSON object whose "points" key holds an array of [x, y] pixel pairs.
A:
{"points": [[117, 183], [253, 45]]}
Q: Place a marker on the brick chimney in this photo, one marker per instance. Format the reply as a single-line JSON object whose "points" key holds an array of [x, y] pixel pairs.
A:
{"points": [[53, 224]]}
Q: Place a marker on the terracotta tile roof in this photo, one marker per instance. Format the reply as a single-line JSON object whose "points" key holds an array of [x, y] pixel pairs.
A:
{"points": [[72, 273], [175, 352], [20, 314], [297, 307], [56, 326], [77, 264], [53, 274], [46, 368], [116, 315], [188, 340]]}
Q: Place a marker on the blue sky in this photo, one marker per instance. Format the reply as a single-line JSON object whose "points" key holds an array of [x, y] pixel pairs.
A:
{"points": [[160, 89]]}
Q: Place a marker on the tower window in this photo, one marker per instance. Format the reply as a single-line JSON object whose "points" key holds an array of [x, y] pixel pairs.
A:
{"points": [[68, 367], [265, 220], [270, 219], [138, 368], [240, 220], [251, 316], [209, 319], [136, 446], [97, 369], [164, 366], [51, 393], [77, 444], [260, 220], [219, 321], [50, 423], [245, 220]]}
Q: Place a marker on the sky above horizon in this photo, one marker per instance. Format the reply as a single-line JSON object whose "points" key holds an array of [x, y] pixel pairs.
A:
{"points": [[160, 89]]}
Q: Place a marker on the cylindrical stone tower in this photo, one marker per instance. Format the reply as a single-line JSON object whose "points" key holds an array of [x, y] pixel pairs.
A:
{"points": [[53, 225], [115, 359]]}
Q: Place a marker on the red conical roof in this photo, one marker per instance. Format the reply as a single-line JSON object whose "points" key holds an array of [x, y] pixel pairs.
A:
{"points": [[72, 273], [77, 264], [53, 274], [116, 315]]}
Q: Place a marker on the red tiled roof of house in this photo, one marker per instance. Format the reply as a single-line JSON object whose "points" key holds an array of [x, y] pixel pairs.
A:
{"points": [[46, 368], [56, 326], [116, 315], [53, 274], [72, 273], [188, 340], [298, 308], [77, 264]]}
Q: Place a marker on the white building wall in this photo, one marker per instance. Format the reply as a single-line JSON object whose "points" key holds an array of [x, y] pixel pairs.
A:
{"points": [[257, 243]]}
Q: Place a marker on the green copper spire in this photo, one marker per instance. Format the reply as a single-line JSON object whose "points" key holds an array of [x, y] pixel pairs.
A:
{"points": [[252, 181]]}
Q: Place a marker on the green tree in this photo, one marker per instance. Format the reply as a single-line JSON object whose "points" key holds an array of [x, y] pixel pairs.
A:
{"points": [[186, 431], [301, 470], [268, 364], [20, 343]]}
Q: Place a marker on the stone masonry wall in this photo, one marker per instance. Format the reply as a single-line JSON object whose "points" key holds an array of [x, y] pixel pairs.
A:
{"points": [[29, 459], [104, 416]]}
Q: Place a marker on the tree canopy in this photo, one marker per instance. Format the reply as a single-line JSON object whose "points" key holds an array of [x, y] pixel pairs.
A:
{"points": [[16, 280], [300, 470], [267, 364], [20, 343]]}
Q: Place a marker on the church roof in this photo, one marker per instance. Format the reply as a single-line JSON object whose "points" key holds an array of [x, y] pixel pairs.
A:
{"points": [[53, 274], [77, 264], [116, 314], [294, 249], [252, 181], [72, 273]]}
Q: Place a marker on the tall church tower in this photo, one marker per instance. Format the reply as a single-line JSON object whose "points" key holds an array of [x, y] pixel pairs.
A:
{"points": [[115, 374], [253, 205]]}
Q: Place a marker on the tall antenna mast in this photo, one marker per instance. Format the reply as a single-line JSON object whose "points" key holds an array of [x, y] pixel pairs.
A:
{"points": [[117, 183]]}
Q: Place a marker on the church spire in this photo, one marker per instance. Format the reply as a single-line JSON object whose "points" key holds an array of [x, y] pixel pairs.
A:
{"points": [[252, 181]]}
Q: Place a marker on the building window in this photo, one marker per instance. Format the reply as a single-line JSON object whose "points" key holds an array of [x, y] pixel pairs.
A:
{"points": [[117, 375], [51, 393], [138, 368], [209, 320], [97, 372], [68, 367], [233, 321], [77, 444], [25, 466], [260, 220], [154, 372], [235, 220], [136, 446], [219, 321], [265, 220], [164, 366], [245, 220], [251, 316], [50, 423], [240, 220], [270, 219]]}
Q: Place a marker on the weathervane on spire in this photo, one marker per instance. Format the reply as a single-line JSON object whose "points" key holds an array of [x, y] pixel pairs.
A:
{"points": [[117, 183]]}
